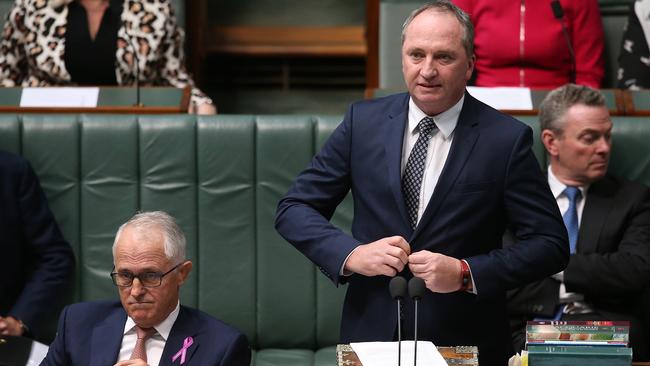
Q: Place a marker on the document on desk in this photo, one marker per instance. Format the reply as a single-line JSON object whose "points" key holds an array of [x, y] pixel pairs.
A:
{"points": [[511, 98], [60, 97], [385, 353]]}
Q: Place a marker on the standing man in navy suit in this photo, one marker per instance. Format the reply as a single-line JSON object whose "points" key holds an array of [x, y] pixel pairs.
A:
{"points": [[38, 263], [148, 326], [436, 177]]}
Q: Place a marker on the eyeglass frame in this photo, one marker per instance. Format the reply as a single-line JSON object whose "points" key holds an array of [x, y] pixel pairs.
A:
{"points": [[134, 276]]}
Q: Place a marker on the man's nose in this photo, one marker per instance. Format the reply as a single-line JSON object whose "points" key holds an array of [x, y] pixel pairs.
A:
{"points": [[136, 288], [604, 145], [429, 68]]}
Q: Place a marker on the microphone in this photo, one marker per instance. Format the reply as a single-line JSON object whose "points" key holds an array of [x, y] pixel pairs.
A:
{"points": [[397, 287], [416, 291], [138, 103], [558, 13]]}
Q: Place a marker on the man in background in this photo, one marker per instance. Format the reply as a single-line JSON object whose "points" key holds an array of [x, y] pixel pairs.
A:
{"points": [[38, 264], [148, 326], [607, 218]]}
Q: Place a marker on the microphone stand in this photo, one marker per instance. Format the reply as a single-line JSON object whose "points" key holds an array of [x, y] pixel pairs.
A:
{"points": [[397, 287], [416, 290], [138, 103], [558, 13]]}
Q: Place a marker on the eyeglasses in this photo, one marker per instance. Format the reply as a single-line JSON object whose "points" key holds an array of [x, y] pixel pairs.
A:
{"points": [[147, 279]]}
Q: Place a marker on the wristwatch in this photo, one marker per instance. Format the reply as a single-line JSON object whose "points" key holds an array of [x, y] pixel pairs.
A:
{"points": [[465, 276]]}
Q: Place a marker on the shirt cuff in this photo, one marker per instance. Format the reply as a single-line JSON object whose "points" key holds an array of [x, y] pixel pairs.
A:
{"points": [[343, 271]]}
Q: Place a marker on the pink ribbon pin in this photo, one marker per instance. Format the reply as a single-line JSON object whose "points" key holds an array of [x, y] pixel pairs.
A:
{"points": [[181, 352]]}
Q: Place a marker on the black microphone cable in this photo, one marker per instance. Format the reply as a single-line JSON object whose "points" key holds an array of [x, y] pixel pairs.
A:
{"points": [[558, 13]]}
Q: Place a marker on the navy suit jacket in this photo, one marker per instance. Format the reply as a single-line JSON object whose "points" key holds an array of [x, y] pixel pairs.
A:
{"points": [[90, 334], [38, 264], [490, 181]]}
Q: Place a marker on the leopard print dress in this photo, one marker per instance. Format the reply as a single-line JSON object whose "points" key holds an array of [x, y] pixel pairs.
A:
{"points": [[33, 46]]}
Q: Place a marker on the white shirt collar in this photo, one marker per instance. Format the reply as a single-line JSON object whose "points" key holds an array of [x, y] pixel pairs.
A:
{"points": [[163, 329], [557, 187], [445, 121]]}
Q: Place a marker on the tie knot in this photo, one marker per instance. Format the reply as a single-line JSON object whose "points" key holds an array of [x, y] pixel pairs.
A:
{"points": [[572, 193], [144, 333], [426, 126]]}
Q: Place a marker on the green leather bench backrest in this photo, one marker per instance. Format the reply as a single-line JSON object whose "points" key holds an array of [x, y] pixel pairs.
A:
{"points": [[221, 177]]}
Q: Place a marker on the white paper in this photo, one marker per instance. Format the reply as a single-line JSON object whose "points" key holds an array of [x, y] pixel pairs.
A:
{"points": [[59, 97], [503, 97], [385, 353], [37, 354]]}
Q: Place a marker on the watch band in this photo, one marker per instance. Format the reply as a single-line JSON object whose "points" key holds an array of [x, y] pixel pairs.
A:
{"points": [[465, 276]]}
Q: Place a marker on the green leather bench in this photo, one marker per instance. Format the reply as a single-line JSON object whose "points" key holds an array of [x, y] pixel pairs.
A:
{"points": [[221, 177]]}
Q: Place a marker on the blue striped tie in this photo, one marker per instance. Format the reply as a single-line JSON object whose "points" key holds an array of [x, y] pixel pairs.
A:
{"points": [[571, 216]]}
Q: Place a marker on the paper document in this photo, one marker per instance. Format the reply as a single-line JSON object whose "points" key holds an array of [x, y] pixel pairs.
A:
{"points": [[503, 97], [59, 97], [385, 353], [37, 354]]}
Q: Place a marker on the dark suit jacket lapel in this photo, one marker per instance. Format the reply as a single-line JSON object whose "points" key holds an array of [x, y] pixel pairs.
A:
{"points": [[185, 326], [396, 125], [107, 339], [599, 200], [465, 136]]}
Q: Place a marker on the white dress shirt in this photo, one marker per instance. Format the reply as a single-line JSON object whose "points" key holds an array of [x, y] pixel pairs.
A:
{"points": [[154, 345]]}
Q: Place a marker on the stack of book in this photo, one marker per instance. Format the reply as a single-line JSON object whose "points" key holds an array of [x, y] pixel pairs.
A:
{"points": [[570, 343]]}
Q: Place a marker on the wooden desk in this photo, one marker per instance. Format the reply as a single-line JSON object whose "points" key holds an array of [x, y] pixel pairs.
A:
{"points": [[461, 355]]}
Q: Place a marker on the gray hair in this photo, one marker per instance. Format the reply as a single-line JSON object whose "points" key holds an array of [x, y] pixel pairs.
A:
{"points": [[559, 100], [174, 240], [446, 6]]}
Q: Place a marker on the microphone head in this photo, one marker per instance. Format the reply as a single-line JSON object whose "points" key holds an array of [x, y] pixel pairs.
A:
{"points": [[416, 288], [397, 287], [558, 12]]}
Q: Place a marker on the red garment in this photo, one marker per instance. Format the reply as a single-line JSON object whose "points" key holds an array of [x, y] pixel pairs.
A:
{"points": [[542, 60]]}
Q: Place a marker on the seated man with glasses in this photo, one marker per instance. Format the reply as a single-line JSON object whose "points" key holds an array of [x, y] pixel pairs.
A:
{"points": [[148, 326]]}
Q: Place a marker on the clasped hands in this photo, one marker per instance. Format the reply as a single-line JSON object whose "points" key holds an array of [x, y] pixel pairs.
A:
{"points": [[388, 256]]}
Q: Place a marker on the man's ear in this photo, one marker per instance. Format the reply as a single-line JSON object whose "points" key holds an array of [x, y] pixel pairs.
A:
{"points": [[550, 140], [184, 271]]}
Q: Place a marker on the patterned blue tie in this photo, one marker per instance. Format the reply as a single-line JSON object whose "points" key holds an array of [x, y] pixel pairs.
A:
{"points": [[571, 216], [412, 178]]}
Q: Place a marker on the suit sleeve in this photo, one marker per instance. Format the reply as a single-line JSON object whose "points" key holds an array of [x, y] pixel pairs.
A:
{"points": [[238, 353], [587, 40], [52, 261], [541, 246], [303, 214], [56, 354], [625, 271]]}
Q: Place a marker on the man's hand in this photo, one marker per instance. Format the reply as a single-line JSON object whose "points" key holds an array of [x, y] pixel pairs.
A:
{"points": [[439, 272], [386, 256], [11, 326], [136, 362]]}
